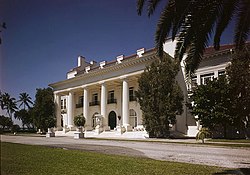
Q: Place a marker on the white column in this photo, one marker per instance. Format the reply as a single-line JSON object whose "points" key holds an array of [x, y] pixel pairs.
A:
{"points": [[198, 79], [216, 74], [86, 109], [125, 104], [104, 105], [57, 99], [70, 110]]}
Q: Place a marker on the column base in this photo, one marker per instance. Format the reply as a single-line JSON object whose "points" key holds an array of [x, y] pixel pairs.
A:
{"points": [[120, 130], [59, 128], [71, 128], [127, 127], [98, 130], [106, 128]]}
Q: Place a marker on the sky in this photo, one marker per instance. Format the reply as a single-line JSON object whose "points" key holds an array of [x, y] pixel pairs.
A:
{"points": [[44, 38]]}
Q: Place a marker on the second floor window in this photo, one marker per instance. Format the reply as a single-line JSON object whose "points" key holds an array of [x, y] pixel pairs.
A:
{"points": [[206, 77], [95, 97], [111, 97], [63, 104], [62, 107], [80, 100]]}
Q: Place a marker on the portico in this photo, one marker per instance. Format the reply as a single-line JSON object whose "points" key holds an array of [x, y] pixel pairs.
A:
{"points": [[114, 97]]}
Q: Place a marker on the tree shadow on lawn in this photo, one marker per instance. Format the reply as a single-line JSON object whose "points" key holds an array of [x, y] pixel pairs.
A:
{"points": [[239, 171]]}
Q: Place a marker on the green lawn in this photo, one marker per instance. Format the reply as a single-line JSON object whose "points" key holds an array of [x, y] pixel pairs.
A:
{"points": [[26, 159]]}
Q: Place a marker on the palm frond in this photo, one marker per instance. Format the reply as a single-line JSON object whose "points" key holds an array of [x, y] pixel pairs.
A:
{"points": [[152, 4], [226, 11], [184, 40], [242, 24], [140, 4], [182, 10], [164, 26]]}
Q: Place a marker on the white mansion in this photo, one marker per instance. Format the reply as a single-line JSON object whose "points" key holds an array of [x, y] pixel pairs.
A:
{"points": [[105, 92]]}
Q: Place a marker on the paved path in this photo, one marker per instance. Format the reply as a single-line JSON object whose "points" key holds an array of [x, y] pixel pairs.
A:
{"points": [[208, 155]]}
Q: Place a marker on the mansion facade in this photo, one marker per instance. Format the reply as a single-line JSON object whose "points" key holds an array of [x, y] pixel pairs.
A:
{"points": [[105, 92]]}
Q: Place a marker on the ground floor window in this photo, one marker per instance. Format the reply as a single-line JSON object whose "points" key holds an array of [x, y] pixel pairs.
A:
{"points": [[132, 118]]}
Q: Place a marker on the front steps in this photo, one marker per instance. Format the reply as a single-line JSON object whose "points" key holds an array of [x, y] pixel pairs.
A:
{"points": [[127, 135], [106, 134]]}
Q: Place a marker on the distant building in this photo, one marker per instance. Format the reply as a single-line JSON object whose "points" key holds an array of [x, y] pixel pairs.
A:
{"points": [[105, 92]]}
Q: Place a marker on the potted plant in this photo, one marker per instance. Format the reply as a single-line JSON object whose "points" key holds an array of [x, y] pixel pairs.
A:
{"points": [[202, 134], [79, 122]]}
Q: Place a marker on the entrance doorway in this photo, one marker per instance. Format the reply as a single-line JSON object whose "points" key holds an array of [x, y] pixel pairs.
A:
{"points": [[112, 120], [94, 120]]}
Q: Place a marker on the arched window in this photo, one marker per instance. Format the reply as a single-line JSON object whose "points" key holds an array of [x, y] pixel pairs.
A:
{"points": [[132, 112], [132, 118]]}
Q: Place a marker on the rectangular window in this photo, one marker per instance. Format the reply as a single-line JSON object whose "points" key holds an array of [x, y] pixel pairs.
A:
{"points": [[95, 97], [221, 72], [206, 77], [94, 100], [111, 97], [80, 100], [64, 103], [131, 94], [62, 107]]}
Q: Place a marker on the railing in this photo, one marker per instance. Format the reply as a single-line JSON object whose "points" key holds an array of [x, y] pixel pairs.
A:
{"points": [[63, 111], [132, 98], [80, 105], [112, 100], [94, 103]]}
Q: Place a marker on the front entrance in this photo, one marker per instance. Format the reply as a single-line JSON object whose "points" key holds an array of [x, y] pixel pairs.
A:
{"points": [[94, 120], [112, 120]]}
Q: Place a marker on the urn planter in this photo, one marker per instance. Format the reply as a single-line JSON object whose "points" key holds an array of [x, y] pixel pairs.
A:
{"points": [[79, 133], [50, 133]]}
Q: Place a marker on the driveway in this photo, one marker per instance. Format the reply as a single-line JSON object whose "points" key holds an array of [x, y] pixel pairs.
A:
{"points": [[196, 154]]}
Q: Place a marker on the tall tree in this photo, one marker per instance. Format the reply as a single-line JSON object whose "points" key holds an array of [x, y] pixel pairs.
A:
{"points": [[193, 22], [26, 117], [212, 104], [160, 96], [25, 100], [239, 80], [5, 121], [44, 108]]}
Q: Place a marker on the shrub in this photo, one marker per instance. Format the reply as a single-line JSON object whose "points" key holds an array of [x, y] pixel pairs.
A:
{"points": [[15, 128], [79, 120]]}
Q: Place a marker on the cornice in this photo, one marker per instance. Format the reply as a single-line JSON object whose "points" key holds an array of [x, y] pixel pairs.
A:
{"points": [[115, 67]]}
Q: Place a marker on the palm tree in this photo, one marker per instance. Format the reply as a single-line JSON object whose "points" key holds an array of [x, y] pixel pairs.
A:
{"points": [[25, 100], [202, 134], [192, 22], [8, 103]]}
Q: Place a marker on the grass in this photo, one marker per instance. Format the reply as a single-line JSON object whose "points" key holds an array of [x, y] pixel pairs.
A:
{"points": [[28, 160]]}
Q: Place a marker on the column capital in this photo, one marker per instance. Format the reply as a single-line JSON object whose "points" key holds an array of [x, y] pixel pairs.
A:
{"points": [[85, 87], [124, 77], [57, 93], [102, 82]]}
